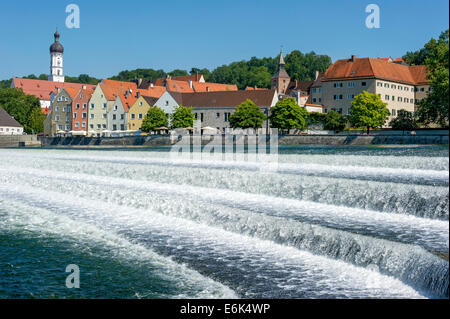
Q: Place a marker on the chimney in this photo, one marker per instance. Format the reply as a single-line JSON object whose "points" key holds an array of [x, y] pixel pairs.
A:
{"points": [[353, 58], [190, 84], [126, 94], [317, 75], [84, 87], [138, 94], [139, 82], [151, 85], [207, 89]]}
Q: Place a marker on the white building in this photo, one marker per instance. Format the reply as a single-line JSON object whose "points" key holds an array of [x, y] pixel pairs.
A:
{"points": [[8, 125]]}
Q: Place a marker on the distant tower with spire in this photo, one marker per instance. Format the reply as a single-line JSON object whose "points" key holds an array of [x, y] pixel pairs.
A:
{"points": [[56, 60], [281, 79]]}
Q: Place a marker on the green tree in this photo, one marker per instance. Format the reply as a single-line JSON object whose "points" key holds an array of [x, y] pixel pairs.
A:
{"points": [[247, 115], [404, 121], [287, 114], [154, 119], [205, 72], [334, 121], [23, 107], [303, 67], [435, 107], [182, 117], [36, 120], [368, 111], [178, 72]]}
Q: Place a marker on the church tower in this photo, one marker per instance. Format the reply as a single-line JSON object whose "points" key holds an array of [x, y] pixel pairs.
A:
{"points": [[280, 80], [56, 60]]}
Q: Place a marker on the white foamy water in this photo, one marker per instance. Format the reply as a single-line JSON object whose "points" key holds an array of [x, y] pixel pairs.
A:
{"points": [[250, 232]]}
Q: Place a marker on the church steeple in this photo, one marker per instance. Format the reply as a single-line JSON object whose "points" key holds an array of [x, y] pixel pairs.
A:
{"points": [[281, 78], [56, 60]]}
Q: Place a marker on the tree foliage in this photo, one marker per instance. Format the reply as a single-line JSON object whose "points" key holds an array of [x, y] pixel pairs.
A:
{"points": [[404, 121], [435, 107], [368, 111], [182, 117], [23, 107], [287, 114], [247, 115], [154, 119], [334, 121]]}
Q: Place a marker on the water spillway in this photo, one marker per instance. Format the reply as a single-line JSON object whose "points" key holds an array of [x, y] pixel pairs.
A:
{"points": [[331, 224]]}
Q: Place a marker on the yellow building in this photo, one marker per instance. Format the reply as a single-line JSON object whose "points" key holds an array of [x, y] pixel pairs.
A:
{"points": [[138, 111]]}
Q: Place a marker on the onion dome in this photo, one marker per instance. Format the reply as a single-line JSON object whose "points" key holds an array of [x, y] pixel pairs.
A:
{"points": [[56, 47]]}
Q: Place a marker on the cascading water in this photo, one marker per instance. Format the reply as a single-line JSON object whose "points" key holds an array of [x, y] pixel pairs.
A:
{"points": [[327, 223]]}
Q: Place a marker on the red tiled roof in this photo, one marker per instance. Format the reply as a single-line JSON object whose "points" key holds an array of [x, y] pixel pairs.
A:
{"points": [[42, 89], [367, 68], [178, 86], [213, 87], [123, 84], [193, 77], [155, 91]]}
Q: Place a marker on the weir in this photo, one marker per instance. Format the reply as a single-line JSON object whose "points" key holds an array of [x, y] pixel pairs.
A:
{"points": [[234, 222]]}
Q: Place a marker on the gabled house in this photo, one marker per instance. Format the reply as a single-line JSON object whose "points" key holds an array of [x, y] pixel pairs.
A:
{"points": [[138, 111], [80, 110], [8, 125], [59, 118], [98, 107]]}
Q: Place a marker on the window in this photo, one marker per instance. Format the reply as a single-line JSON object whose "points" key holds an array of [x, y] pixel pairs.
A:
{"points": [[201, 117], [60, 127], [77, 125], [140, 116], [167, 103], [92, 116], [380, 84], [83, 124], [320, 99], [399, 99], [114, 127], [320, 90], [67, 127], [350, 96], [386, 85], [406, 88], [393, 112], [78, 105], [314, 100], [114, 116], [99, 126], [104, 125], [386, 97], [338, 85], [400, 87], [104, 105], [406, 100], [57, 118], [314, 90], [56, 108], [115, 107], [92, 105], [393, 98], [64, 109], [133, 116], [218, 115], [91, 126], [74, 115], [326, 110], [393, 86], [363, 83], [122, 116], [422, 89], [104, 115], [83, 115], [351, 84], [140, 103], [84, 105]]}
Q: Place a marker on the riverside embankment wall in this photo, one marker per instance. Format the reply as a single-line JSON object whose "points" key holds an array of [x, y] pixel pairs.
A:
{"points": [[19, 140], [166, 140]]}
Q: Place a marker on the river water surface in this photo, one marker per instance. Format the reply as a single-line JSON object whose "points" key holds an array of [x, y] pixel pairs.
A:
{"points": [[326, 222]]}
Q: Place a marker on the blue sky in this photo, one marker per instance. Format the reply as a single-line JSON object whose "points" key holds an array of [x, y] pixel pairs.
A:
{"points": [[120, 35]]}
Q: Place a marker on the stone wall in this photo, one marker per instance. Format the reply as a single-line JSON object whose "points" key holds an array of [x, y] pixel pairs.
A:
{"points": [[19, 140], [81, 141]]}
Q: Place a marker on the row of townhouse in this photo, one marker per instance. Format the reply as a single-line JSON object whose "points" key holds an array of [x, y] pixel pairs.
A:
{"points": [[399, 85], [115, 106]]}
